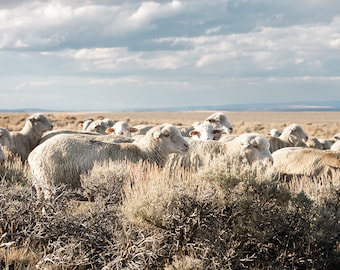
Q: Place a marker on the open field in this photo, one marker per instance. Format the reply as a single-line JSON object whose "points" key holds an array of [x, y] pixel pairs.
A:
{"points": [[226, 216], [318, 124]]}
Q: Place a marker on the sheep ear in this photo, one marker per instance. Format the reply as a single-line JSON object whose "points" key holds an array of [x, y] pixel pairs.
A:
{"points": [[194, 132], [81, 125], [157, 135], [110, 130], [31, 119]]}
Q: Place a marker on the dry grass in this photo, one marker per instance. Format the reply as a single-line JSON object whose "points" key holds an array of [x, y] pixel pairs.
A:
{"points": [[227, 216], [318, 124]]}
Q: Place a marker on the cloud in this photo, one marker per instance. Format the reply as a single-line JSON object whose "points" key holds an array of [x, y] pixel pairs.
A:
{"points": [[166, 45], [30, 84]]}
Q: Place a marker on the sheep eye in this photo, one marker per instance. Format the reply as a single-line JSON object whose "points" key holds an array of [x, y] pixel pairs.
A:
{"points": [[166, 135]]}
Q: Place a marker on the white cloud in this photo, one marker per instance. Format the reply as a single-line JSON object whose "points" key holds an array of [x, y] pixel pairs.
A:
{"points": [[172, 45], [30, 84]]}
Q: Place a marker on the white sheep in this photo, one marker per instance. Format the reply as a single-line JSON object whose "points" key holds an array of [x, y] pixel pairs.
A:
{"points": [[204, 131], [219, 120], [121, 128], [62, 158], [326, 143], [24, 141], [142, 129], [108, 122], [53, 133], [335, 146], [6, 139], [248, 147], [274, 132], [290, 136], [85, 124], [98, 126], [336, 136], [298, 161], [314, 142]]}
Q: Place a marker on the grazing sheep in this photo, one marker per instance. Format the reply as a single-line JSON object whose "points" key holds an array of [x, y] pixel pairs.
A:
{"points": [[204, 131], [219, 121], [24, 141], [291, 136], [335, 146], [298, 161], [248, 147], [274, 132], [63, 158], [121, 128]]}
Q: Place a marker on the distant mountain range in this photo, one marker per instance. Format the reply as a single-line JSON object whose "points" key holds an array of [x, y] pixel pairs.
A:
{"points": [[261, 107], [324, 106]]}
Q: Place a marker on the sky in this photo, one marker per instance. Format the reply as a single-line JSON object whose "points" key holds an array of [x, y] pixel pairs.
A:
{"points": [[111, 55]]}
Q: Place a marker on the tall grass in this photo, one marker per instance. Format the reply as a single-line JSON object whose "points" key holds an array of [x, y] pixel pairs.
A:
{"points": [[226, 216]]}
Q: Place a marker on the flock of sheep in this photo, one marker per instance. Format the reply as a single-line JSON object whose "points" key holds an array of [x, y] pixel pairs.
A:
{"points": [[58, 157]]}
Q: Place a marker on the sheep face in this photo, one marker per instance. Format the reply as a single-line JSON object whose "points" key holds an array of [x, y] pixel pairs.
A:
{"points": [[97, 126], [6, 139], [170, 139], [219, 121], [204, 132], [274, 132], [84, 125], [255, 148], [295, 134], [122, 128], [40, 122]]}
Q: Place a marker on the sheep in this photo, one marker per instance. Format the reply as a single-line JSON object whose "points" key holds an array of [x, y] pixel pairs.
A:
{"points": [[291, 136], [326, 143], [108, 122], [85, 124], [336, 136], [274, 132], [297, 161], [204, 131], [142, 129], [6, 139], [25, 140], [98, 126], [63, 158], [52, 133], [314, 143], [219, 120], [121, 128], [335, 146], [2, 156], [249, 147]]}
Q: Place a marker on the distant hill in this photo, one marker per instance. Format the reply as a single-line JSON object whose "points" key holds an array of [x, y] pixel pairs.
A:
{"points": [[324, 106], [261, 107]]}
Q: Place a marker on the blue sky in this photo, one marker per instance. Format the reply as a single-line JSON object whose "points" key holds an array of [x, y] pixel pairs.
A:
{"points": [[114, 55]]}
